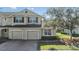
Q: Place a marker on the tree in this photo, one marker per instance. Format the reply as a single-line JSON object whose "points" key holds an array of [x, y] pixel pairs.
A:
{"points": [[56, 15], [71, 21], [66, 18]]}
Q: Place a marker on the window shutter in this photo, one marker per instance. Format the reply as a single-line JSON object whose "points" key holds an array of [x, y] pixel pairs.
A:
{"points": [[22, 19], [28, 19], [5, 19], [5, 30], [14, 19], [36, 19]]}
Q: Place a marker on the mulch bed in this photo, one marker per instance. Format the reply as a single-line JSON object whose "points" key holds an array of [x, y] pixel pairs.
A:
{"points": [[56, 42]]}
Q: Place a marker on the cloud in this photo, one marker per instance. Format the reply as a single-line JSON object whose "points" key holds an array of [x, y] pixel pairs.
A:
{"points": [[13, 7], [47, 16], [30, 8]]}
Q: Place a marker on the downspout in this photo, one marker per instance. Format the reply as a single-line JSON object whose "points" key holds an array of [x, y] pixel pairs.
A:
{"points": [[42, 27]]}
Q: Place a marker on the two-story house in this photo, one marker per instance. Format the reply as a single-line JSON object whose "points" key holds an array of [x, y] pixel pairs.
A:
{"points": [[25, 25]]}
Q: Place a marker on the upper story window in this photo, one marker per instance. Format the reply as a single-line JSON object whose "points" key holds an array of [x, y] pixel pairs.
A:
{"points": [[18, 19], [47, 32], [32, 20]]}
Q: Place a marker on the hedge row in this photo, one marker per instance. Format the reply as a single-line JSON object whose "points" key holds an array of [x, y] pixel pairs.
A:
{"points": [[50, 38], [75, 35]]}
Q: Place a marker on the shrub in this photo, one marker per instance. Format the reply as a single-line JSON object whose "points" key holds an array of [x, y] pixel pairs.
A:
{"points": [[75, 35], [63, 33], [59, 31], [50, 38]]}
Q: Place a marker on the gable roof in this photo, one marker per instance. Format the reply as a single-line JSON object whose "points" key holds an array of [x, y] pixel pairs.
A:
{"points": [[29, 12]]}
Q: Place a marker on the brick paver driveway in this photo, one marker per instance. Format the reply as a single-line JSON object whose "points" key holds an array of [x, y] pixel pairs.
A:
{"points": [[19, 45]]}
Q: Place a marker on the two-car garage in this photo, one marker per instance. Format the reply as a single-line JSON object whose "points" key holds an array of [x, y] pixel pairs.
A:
{"points": [[25, 34]]}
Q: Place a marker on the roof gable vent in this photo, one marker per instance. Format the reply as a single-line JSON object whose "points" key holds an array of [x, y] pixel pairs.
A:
{"points": [[26, 11]]}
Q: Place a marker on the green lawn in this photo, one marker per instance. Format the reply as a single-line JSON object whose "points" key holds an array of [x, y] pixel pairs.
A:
{"points": [[57, 47]]}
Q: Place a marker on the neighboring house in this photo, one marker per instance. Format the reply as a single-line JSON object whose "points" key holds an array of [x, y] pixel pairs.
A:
{"points": [[23, 25], [75, 31]]}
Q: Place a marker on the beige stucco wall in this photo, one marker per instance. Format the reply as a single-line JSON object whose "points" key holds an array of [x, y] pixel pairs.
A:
{"points": [[9, 21], [9, 18], [4, 22], [1, 30], [0, 21]]}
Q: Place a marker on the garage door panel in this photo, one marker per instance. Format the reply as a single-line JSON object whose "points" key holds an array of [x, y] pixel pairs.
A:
{"points": [[25, 35], [33, 35], [17, 34]]}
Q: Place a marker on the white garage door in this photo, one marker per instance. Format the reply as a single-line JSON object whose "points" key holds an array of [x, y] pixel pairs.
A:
{"points": [[33, 35], [17, 34]]}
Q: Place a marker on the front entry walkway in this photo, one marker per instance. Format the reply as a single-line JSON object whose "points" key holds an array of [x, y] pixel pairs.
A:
{"points": [[19, 45]]}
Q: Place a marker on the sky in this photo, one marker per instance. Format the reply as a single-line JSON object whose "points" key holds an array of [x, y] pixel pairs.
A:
{"points": [[38, 10]]}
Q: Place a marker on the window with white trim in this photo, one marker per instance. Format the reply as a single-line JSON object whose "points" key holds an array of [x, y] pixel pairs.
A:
{"points": [[32, 20], [18, 19], [47, 31]]}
